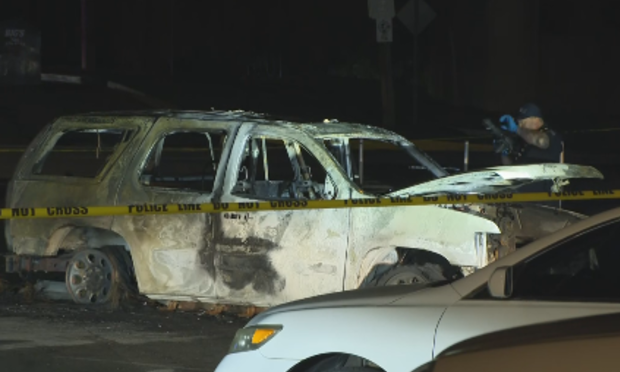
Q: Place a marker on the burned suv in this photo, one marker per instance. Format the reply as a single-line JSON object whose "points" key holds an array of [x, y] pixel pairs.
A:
{"points": [[255, 258]]}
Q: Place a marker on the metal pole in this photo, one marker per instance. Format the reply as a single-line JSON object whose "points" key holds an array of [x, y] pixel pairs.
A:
{"points": [[561, 162], [415, 61], [387, 85], [466, 160], [361, 165], [265, 161], [83, 25]]}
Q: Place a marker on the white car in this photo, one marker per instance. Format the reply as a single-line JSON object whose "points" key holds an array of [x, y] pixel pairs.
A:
{"points": [[573, 345], [569, 274]]}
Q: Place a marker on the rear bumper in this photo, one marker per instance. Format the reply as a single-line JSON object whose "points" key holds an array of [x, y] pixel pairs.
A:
{"points": [[17, 264]]}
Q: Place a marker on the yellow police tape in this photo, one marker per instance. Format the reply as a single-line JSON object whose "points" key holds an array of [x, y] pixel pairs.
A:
{"points": [[162, 209]]}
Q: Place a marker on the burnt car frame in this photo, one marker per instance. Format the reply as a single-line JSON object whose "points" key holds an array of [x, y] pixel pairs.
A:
{"points": [[255, 258]]}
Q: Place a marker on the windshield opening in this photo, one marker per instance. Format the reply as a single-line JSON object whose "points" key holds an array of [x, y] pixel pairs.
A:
{"points": [[380, 166]]}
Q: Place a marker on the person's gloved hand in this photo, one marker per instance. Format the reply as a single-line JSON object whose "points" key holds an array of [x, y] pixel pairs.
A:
{"points": [[511, 124]]}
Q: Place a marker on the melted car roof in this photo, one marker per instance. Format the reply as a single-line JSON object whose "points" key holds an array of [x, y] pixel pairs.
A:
{"points": [[326, 129]]}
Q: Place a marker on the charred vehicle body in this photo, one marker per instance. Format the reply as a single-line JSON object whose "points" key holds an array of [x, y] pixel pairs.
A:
{"points": [[256, 258]]}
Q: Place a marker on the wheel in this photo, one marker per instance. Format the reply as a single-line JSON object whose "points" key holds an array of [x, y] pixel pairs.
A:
{"points": [[411, 275], [337, 363], [354, 369], [97, 276]]}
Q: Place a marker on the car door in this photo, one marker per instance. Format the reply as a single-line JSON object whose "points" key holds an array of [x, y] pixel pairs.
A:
{"points": [[575, 278], [266, 258], [180, 162]]}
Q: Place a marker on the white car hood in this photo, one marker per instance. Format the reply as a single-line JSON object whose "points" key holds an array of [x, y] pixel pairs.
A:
{"points": [[373, 296], [497, 179]]}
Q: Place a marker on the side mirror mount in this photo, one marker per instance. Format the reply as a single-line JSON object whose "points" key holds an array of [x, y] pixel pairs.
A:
{"points": [[500, 282]]}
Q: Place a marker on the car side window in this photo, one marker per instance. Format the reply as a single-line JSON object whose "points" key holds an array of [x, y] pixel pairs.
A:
{"points": [[279, 169], [97, 147], [584, 268], [185, 160]]}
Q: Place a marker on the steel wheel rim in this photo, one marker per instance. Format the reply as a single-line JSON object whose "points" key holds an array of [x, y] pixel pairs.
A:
{"points": [[90, 277]]}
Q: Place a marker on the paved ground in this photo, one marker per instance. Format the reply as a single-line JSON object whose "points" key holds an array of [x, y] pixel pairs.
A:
{"points": [[51, 337]]}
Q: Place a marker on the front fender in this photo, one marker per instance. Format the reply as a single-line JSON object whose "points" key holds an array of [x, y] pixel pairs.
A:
{"points": [[454, 235], [357, 331]]}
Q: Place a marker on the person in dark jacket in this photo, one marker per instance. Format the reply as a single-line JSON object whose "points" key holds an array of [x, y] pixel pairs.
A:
{"points": [[540, 143]]}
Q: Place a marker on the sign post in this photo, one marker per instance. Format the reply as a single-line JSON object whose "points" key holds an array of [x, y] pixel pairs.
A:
{"points": [[416, 16], [384, 30], [382, 11], [20, 53]]}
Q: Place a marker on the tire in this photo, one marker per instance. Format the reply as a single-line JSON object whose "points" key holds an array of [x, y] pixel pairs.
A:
{"points": [[354, 369], [327, 364], [337, 363], [99, 277], [403, 275]]}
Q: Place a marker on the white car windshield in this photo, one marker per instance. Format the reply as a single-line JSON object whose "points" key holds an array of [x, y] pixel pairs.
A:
{"points": [[381, 166]]}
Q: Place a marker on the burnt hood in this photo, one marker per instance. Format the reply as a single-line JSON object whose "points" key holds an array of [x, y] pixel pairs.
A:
{"points": [[500, 179]]}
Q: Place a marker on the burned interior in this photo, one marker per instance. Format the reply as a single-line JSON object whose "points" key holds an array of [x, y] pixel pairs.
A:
{"points": [[185, 160], [280, 169]]}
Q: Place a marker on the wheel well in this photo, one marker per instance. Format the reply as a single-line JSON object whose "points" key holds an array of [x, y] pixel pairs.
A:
{"points": [[411, 256], [317, 360], [320, 363], [71, 238], [417, 257], [421, 257]]}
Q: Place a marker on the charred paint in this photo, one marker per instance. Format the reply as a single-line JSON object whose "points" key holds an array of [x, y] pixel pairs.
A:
{"points": [[252, 266], [243, 262]]}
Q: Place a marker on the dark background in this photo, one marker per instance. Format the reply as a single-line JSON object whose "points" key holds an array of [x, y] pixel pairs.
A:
{"points": [[320, 59], [486, 55]]}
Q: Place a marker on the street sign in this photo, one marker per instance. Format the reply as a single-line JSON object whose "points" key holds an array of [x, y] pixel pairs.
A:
{"points": [[20, 53], [407, 16], [381, 9], [384, 30]]}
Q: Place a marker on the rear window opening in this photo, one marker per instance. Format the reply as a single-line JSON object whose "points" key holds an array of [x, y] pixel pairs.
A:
{"points": [[81, 153]]}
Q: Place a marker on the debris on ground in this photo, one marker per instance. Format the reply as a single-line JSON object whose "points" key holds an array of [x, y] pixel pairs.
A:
{"points": [[54, 293]]}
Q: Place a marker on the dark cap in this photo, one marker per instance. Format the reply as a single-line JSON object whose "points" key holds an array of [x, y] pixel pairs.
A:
{"points": [[529, 110]]}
